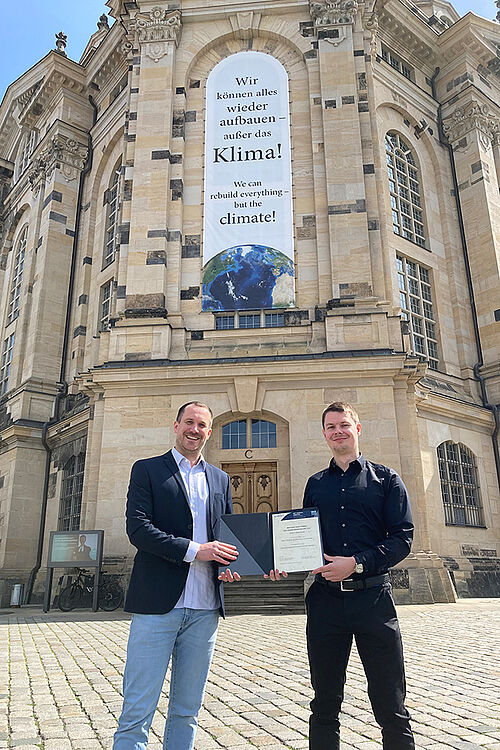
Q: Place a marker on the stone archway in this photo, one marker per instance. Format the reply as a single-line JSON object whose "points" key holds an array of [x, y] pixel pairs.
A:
{"points": [[260, 476]]}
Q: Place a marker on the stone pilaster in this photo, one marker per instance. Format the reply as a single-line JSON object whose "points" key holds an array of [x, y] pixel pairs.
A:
{"points": [[149, 160], [342, 108], [472, 129]]}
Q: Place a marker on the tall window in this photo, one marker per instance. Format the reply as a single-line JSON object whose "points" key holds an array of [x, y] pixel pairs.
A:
{"points": [[105, 305], [17, 277], [28, 148], [253, 433], [8, 346], [234, 435], [71, 499], [404, 185], [459, 485], [415, 298], [111, 231]]}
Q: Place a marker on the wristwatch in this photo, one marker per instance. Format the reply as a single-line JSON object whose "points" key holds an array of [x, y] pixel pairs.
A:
{"points": [[358, 568]]}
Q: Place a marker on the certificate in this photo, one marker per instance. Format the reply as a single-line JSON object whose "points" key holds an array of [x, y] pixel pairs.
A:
{"points": [[297, 540], [285, 540]]}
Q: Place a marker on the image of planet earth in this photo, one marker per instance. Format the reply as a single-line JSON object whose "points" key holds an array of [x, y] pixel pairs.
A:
{"points": [[248, 277]]}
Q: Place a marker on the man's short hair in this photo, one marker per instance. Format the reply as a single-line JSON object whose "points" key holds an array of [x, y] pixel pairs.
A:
{"points": [[193, 403], [340, 406]]}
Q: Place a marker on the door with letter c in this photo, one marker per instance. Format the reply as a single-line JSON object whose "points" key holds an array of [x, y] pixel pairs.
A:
{"points": [[254, 486]]}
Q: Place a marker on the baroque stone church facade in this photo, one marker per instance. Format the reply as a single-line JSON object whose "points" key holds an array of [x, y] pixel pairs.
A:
{"points": [[386, 292]]}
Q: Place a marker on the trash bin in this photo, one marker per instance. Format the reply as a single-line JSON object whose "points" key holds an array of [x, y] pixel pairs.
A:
{"points": [[16, 595]]}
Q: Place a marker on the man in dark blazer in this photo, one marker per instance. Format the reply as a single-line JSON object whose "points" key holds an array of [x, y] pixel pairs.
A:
{"points": [[174, 502]]}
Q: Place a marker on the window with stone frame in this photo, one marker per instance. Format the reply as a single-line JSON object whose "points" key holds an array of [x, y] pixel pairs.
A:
{"points": [[29, 143], [405, 190], [70, 505], [105, 294], [111, 199], [17, 276], [253, 433], [415, 299], [459, 485], [7, 350]]}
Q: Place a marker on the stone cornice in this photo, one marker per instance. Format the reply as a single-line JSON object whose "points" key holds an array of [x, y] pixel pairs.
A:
{"points": [[408, 34]]}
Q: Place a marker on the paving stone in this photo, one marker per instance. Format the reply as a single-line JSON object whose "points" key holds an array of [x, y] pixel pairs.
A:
{"points": [[62, 690]]}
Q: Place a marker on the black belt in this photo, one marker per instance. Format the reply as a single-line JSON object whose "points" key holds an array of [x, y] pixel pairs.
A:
{"points": [[349, 584]]}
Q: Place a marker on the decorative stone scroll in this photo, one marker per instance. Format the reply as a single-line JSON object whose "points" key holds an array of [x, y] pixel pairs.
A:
{"points": [[156, 29], [63, 153], [333, 12], [472, 116]]}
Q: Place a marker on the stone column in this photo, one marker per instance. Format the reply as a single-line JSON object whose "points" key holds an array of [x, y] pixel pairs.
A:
{"points": [[148, 161], [342, 108], [61, 164], [472, 131]]}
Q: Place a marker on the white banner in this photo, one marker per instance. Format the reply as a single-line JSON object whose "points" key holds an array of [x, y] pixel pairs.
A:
{"points": [[248, 232]]}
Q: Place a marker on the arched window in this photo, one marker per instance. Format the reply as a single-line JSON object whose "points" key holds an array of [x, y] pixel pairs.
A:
{"points": [[71, 498], [17, 276], [111, 228], [404, 185], [253, 433], [459, 485]]}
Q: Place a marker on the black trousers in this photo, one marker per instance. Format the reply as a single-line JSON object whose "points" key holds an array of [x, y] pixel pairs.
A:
{"points": [[333, 619]]}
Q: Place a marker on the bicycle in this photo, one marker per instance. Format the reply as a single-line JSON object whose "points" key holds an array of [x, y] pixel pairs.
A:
{"points": [[81, 590]]}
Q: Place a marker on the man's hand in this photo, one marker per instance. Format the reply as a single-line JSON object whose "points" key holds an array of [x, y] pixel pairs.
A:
{"points": [[228, 576], [337, 569], [275, 575], [222, 553]]}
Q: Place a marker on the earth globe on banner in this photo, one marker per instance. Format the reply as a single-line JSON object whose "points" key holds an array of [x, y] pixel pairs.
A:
{"points": [[248, 277]]}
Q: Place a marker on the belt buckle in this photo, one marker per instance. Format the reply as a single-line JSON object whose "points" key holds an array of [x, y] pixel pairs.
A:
{"points": [[346, 580]]}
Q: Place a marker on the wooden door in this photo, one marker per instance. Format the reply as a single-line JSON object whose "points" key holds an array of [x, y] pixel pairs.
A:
{"points": [[254, 486]]}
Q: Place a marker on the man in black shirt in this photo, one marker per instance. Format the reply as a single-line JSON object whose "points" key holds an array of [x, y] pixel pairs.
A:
{"points": [[367, 528]]}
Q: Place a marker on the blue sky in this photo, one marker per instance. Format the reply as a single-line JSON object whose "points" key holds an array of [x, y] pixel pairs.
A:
{"points": [[27, 31]]}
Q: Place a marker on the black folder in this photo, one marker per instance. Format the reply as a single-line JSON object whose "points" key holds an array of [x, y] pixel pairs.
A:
{"points": [[251, 534]]}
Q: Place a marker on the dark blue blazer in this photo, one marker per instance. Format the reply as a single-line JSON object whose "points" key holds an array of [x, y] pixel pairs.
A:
{"points": [[160, 525]]}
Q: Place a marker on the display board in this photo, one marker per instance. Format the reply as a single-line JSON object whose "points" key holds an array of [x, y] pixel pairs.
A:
{"points": [[81, 549], [248, 261]]}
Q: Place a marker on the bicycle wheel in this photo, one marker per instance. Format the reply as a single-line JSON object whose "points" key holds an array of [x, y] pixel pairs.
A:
{"points": [[69, 598], [110, 596]]}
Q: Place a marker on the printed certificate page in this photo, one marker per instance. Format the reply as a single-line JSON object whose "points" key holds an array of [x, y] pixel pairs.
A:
{"points": [[297, 540]]}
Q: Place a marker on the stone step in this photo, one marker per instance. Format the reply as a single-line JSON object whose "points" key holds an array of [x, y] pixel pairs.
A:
{"points": [[255, 595]]}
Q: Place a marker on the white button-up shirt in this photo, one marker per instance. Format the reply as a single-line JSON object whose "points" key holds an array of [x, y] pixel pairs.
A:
{"points": [[199, 591]]}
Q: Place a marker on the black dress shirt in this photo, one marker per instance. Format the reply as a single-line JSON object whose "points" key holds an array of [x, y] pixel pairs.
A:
{"points": [[364, 512]]}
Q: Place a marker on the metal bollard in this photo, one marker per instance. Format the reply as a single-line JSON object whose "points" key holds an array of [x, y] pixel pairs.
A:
{"points": [[16, 595]]}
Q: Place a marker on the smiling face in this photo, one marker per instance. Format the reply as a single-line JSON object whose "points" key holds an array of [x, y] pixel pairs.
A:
{"points": [[341, 432], [192, 431]]}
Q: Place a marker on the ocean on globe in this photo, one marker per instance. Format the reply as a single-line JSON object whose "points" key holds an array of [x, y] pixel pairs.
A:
{"points": [[248, 277]]}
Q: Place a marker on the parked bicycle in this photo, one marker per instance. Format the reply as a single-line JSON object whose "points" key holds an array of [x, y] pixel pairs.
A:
{"points": [[79, 592]]}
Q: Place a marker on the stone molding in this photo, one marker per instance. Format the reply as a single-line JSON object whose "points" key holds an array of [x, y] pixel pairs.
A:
{"points": [[333, 12], [472, 117], [63, 153], [245, 22], [155, 30]]}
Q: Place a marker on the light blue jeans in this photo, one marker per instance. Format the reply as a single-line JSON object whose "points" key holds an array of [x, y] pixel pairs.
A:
{"points": [[186, 635]]}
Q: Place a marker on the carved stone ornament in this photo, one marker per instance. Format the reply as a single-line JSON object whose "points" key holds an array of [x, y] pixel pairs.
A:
{"points": [[333, 12], [156, 29], [473, 116], [62, 153], [370, 22]]}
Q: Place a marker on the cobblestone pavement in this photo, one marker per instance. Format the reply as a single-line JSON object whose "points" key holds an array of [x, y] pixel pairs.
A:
{"points": [[60, 681]]}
